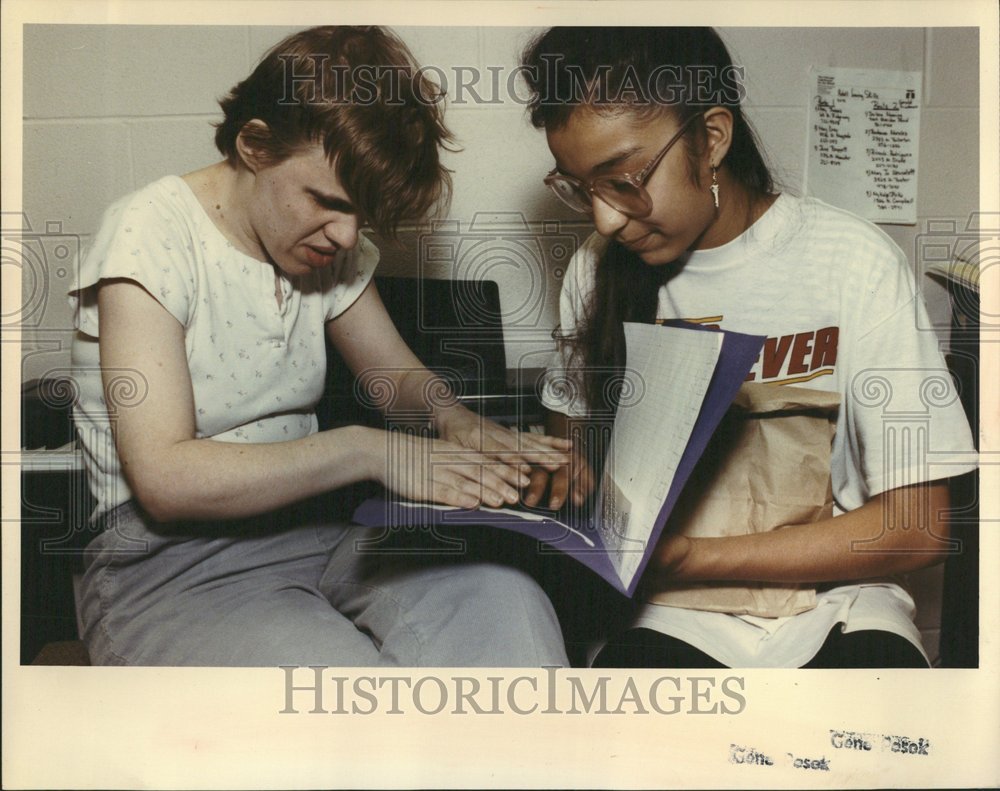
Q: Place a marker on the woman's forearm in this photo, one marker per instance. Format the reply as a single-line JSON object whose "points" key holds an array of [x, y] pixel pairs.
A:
{"points": [[421, 392], [895, 532], [206, 479]]}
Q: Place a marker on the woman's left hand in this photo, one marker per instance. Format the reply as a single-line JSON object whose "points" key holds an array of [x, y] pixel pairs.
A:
{"points": [[472, 431]]}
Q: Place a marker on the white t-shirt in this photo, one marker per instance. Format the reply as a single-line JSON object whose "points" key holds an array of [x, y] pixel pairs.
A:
{"points": [[257, 368], [838, 304]]}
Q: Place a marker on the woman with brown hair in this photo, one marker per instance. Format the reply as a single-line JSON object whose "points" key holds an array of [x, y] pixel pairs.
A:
{"points": [[203, 309]]}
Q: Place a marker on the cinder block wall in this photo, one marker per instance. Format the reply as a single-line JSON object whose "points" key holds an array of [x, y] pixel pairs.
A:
{"points": [[107, 109]]}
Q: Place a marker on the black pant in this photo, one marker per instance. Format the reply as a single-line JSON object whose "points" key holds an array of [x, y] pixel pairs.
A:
{"points": [[866, 648]]}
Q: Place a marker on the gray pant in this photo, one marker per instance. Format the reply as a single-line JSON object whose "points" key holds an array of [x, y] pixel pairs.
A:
{"points": [[291, 589]]}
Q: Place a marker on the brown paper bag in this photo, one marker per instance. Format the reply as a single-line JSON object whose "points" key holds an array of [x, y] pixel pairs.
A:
{"points": [[767, 465]]}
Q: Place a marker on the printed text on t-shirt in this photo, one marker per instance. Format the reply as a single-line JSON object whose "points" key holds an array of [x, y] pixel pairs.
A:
{"points": [[793, 358]]}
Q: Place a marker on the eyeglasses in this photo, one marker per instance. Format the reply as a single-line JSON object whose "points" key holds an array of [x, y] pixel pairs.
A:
{"points": [[623, 192]]}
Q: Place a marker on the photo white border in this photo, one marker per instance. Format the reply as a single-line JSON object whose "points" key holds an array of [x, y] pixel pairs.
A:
{"points": [[67, 727]]}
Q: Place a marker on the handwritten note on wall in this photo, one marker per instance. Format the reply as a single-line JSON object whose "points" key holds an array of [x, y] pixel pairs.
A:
{"points": [[864, 130]]}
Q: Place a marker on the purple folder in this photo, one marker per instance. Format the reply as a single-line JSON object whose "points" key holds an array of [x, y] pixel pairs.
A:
{"points": [[577, 534]]}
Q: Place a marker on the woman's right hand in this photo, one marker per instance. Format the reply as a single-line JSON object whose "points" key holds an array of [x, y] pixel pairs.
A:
{"points": [[574, 480], [437, 471]]}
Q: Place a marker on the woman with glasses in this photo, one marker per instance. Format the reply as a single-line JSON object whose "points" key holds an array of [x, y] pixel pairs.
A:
{"points": [[650, 142], [204, 307]]}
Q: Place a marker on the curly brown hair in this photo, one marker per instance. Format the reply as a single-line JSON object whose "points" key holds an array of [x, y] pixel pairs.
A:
{"points": [[358, 92]]}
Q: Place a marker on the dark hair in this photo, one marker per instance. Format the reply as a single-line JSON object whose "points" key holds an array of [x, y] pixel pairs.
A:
{"points": [[648, 72], [358, 92]]}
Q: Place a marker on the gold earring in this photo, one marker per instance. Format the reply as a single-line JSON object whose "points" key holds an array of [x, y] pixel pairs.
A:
{"points": [[715, 186]]}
